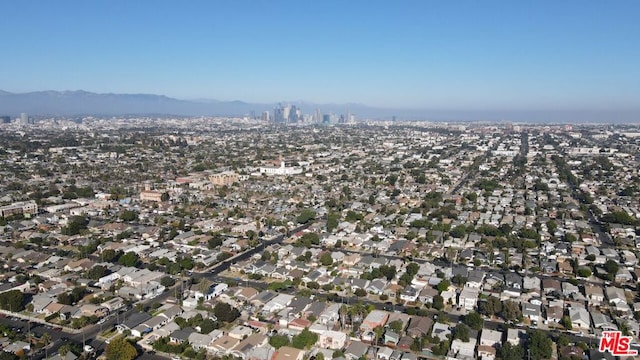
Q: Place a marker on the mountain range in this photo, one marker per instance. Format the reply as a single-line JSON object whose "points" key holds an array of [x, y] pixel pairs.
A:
{"points": [[80, 102]]}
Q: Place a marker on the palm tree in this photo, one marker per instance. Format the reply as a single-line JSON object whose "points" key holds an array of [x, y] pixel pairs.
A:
{"points": [[46, 340], [378, 331]]}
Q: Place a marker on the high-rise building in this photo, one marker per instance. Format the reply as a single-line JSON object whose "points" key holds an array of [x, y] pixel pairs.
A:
{"points": [[326, 119], [281, 113], [5, 119], [265, 116], [294, 114], [24, 119], [278, 114], [318, 116]]}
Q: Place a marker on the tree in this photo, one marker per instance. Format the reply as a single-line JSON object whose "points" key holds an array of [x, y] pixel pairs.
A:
{"points": [[539, 345], [167, 281], [332, 221], [584, 272], [129, 259], [306, 216], [207, 326], [305, 339], [215, 241], [417, 344], [110, 255], [566, 322], [443, 285], [511, 311], [309, 239], [397, 326], [474, 320], [45, 339], [461, 331], [71, 347], [458, 232], [441, 349], [570, 237], [225, 312], [459, 280], [490, 307], [438, 302], [96, 272], [129, 215], [181, 322], [360, 292], [326, 259], [377, 333], [278, 341], [389, 271], [75, 226], [4, 355], [121, 349], [353, 216], [619, 217], [223, 256], [509, 351], [611, 266], [412, 269], [12, 300]]}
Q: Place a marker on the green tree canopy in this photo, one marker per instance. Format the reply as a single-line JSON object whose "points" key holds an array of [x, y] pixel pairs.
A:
{"points": [[96, 272], [12, 300], [305, 339], [511, 311], [121, 349], [509, 351], [332, 221], [129, 215], [611, 266], [306, 216], [225, 312], [129, 259], [278, 341], [474, 320], [490, 307], [539, 345], [461, 331], [326, 259]]}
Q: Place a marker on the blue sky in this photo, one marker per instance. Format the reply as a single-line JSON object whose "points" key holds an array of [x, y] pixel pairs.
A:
{"points": [[412, 54]]}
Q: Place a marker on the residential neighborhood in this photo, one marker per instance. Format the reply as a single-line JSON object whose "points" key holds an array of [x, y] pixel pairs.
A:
{"points": [[203, 238]]}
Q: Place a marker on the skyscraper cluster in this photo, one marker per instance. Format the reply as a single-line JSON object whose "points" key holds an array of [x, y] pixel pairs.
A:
{"points": [[287, 114], [290, 114]]}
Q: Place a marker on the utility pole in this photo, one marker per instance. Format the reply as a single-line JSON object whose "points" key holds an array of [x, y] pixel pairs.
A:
{"points": [[29, 337]]}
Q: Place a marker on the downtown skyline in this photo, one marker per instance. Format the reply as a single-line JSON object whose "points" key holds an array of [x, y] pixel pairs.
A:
{"points": [[466, 56]]}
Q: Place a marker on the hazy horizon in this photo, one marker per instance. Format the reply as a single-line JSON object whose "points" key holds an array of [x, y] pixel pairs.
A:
{"points": [[82, 102]]}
